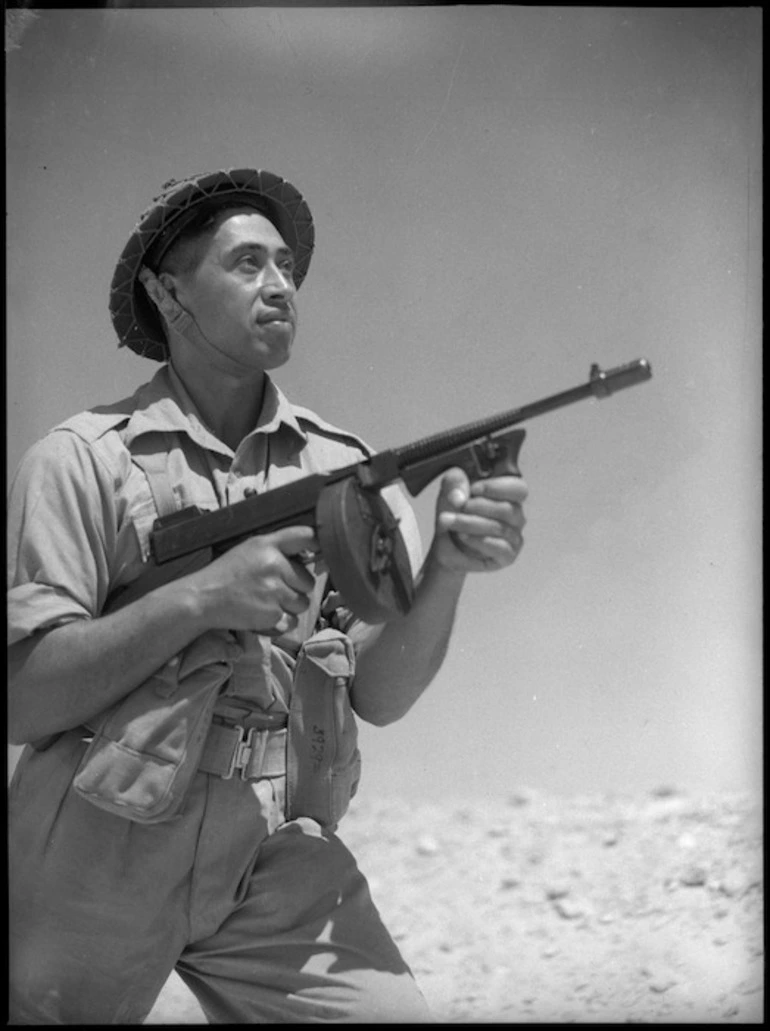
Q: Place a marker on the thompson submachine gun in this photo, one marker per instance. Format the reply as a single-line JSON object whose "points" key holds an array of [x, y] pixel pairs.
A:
{"points": [[359, 537]]}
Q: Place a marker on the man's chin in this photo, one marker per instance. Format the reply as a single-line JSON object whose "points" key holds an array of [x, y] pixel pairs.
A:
{"points": [[275, 356], [271, 346]]}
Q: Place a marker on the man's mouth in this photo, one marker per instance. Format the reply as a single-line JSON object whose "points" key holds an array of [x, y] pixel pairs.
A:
{"points": [[276, 316]]}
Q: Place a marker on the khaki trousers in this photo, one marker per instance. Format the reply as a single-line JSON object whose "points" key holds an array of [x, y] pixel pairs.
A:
{"points": [[263, 927]]}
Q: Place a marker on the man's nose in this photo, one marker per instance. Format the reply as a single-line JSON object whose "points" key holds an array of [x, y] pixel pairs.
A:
{"points": [[277, 282]]}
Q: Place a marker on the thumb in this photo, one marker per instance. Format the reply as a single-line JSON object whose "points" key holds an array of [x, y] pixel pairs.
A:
{"points": [[292, 540], [454, 491]]}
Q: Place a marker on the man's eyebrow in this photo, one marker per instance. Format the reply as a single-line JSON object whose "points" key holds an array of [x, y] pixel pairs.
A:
{"points": [[243, 248]]}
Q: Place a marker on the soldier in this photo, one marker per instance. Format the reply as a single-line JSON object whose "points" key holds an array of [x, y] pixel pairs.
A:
{"points": [[165, 813]]}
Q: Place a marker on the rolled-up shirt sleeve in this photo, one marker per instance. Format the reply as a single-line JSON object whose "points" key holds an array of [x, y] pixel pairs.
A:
{"points": [[61, 532]]}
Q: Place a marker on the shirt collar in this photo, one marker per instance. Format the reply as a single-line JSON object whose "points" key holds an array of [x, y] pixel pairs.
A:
{"points": [[164, 405]]}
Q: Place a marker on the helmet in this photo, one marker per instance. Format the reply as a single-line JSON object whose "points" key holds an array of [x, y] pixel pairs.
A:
{"points": [[134, 316]]}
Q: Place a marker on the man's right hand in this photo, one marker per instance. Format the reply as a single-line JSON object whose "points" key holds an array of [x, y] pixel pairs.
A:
{"points": [[260, 584]]}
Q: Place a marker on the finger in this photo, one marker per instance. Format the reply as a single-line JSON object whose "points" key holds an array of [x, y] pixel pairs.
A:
{"points": [[294, 602], [454, 490], [298, 577], [286, 623], [307, 557], [476, 526], [501, 488], [491, 552], [510, 512], [294, 540]]}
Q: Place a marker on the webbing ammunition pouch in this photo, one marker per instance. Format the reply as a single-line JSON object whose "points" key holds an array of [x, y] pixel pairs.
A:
{"points": [[147, 748], [323, 763]]}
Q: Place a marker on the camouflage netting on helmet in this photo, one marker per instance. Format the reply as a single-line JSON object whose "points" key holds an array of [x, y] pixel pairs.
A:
{"points": [[133, 314]]}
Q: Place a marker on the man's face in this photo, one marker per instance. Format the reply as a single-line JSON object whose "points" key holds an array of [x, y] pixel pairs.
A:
{"points": [[241, 294]]}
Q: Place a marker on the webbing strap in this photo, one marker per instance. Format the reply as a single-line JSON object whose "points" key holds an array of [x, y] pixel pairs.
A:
{"points": [[228, 710], [154, 464]]}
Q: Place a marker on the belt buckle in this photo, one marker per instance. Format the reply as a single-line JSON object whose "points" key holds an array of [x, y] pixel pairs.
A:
{"points": [[241, 753]]}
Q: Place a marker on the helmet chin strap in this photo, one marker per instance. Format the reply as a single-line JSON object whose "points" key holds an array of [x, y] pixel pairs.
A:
{"points": [[179, 321]]}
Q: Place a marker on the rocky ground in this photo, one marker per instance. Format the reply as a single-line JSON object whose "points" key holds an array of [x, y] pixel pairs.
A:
{"points": [[539, 909]]}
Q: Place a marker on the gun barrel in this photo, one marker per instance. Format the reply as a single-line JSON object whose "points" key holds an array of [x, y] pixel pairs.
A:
{"points": [[600, 384], [606, 383]]}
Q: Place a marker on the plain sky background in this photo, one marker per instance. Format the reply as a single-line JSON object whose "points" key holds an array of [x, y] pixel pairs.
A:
{"points": [[503, 195]]}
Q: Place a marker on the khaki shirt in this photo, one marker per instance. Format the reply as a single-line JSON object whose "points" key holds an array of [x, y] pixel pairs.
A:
{"points": [[81, 510]]}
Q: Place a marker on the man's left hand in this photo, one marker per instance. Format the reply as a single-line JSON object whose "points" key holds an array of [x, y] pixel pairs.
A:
{"points": [[478, 525]]}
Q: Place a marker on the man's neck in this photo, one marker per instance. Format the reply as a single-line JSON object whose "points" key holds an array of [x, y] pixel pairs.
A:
{"points": [[228, 405]]}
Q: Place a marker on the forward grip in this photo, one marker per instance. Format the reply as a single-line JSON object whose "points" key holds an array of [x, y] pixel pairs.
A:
{"points": [[497, 455], [507, 464]]}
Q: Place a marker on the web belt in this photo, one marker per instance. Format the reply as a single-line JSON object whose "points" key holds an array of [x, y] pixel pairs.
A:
{"points": [[248, 748]]}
